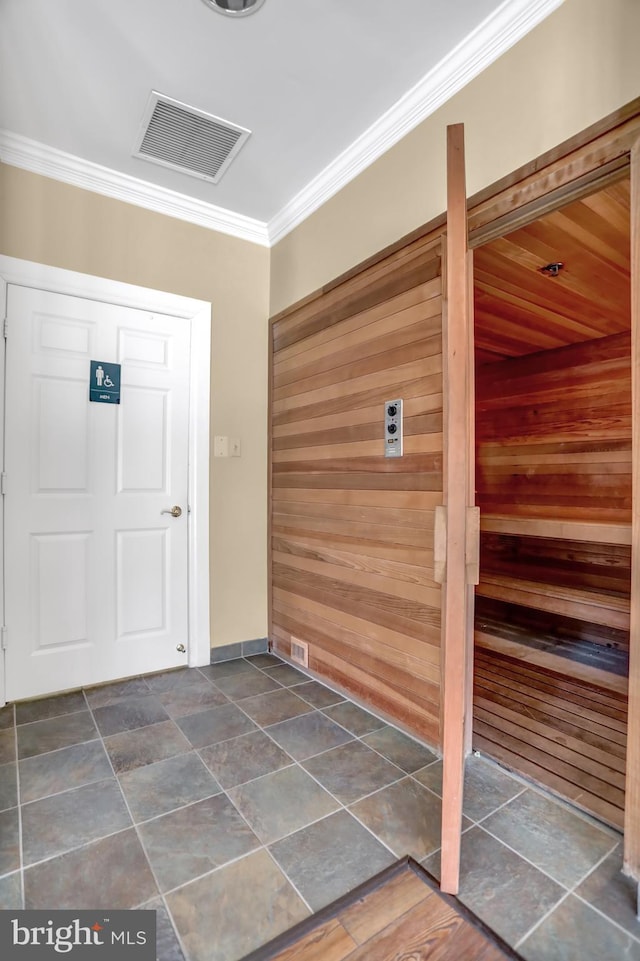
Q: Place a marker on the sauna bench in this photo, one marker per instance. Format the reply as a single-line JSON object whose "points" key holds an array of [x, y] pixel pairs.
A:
{"points": [[609, 610], [515, 613], [560, 528]]}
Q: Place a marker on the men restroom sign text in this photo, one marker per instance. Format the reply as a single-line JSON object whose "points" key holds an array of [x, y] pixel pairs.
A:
{"points": [[104, 382]]}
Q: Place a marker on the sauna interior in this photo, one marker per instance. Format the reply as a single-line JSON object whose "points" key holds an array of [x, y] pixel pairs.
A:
{"points": [[553, 484]]}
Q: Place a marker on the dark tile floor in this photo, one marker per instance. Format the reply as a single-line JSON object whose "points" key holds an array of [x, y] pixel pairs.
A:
{"points": [[238, 798]]}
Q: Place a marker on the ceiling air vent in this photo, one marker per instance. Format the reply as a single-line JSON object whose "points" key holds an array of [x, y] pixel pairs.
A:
{"points": [[184, 138]]}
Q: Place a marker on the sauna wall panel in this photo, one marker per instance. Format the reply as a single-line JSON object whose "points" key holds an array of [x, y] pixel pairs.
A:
{"points": [[554, 443], [554, 433], [351, 531]]}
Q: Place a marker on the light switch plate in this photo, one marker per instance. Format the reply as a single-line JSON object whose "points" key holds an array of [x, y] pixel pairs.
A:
{"points": [[220, 446]]}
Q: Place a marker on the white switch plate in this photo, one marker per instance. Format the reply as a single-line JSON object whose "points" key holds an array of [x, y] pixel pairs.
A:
{"points": [[220, 446], [235, 447]]}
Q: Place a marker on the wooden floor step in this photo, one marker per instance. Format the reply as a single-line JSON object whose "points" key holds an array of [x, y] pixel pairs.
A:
{"points": [[401, 913]]}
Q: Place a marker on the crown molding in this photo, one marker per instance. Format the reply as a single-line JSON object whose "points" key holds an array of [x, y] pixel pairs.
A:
{"points": [[493, 37], [41, 159]]}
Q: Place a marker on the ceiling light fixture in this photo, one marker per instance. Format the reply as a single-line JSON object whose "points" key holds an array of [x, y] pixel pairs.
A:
{"points": [[234, 8], [552, 270]]}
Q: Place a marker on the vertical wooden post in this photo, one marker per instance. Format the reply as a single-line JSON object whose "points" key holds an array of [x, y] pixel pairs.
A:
{"points": [[632, 789], [457, 452], [471, 500]]}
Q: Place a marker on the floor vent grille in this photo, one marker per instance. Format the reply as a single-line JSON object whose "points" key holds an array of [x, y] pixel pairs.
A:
{"points": [[300, 652]]}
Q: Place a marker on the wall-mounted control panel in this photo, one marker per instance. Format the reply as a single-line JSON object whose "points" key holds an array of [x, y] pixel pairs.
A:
{"points": [[393, 428]]}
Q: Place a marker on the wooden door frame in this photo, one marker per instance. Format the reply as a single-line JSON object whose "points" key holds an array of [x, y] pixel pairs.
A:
{"points": [[600, 155]]}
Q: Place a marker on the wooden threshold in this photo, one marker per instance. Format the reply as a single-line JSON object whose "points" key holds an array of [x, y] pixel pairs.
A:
{"points": [[399, 912]]}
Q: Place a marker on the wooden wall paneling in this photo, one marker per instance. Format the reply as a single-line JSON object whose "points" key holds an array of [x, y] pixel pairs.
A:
{"points": [[632, 810], [568, 735], [456, 500], [352, 532]]}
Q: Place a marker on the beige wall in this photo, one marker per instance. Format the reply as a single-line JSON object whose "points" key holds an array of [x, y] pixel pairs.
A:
{"points": [[575, 68], [579, 65], [52, 223]]}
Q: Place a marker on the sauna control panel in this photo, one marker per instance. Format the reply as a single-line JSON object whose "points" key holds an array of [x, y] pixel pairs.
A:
{"points": [[393, 428]]}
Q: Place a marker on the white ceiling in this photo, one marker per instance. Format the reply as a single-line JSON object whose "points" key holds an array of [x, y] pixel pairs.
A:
{"points": [[325, 86]]}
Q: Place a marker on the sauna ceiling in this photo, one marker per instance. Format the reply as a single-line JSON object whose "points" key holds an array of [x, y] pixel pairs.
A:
{"points": [[520, 310]]}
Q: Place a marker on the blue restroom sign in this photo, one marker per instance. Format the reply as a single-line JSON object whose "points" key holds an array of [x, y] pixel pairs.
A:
{"points": [[104, 382]]}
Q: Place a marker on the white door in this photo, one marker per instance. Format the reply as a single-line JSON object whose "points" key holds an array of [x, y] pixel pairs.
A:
{"points": [[95, 569]]}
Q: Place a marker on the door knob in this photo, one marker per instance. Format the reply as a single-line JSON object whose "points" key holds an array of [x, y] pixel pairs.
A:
{"points": [[175, 511]]}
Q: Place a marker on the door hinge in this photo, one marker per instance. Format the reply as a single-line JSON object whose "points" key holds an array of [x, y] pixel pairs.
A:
{"points": [[3, 638], [3, 483], [5, 328]]}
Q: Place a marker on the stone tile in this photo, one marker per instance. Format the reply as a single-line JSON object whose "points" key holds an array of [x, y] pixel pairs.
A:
{"points": [[287, 675], [405, 816], [170, 680], [486, 786], [9, 841], [277, 706], [57, 771], [208, 912], [65, 821], [217, 724], [7, 746], [110, 873], [46, 707], [112, 693], [352, 771], [192, 698], [400, 749], [280, 803], [8, 786], [574, 930], [317, 694], [167, 944], [265, 660], [156, 742], [330, 858], [227, 669], [310, 734], [354, 718], [551, 836], [611, 892], [39, 737], [246, 685], [7, 718], [11, 891], [129, 714], [244, 758], [506, 892], [194, 840], [161, 787]]}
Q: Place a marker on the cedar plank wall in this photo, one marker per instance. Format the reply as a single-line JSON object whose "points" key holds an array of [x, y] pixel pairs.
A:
{"points": [[352, 532], [554, 441]]}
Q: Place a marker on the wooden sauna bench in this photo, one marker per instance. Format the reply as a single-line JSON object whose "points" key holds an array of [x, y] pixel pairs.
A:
{"points": [[551, 664], [556, 593]]}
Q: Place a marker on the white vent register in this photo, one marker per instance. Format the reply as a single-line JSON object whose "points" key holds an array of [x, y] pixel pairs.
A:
{"points": [[195, 142]]}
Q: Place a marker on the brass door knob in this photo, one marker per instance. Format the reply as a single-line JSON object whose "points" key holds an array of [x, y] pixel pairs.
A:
{"points": [[175, 511]]}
